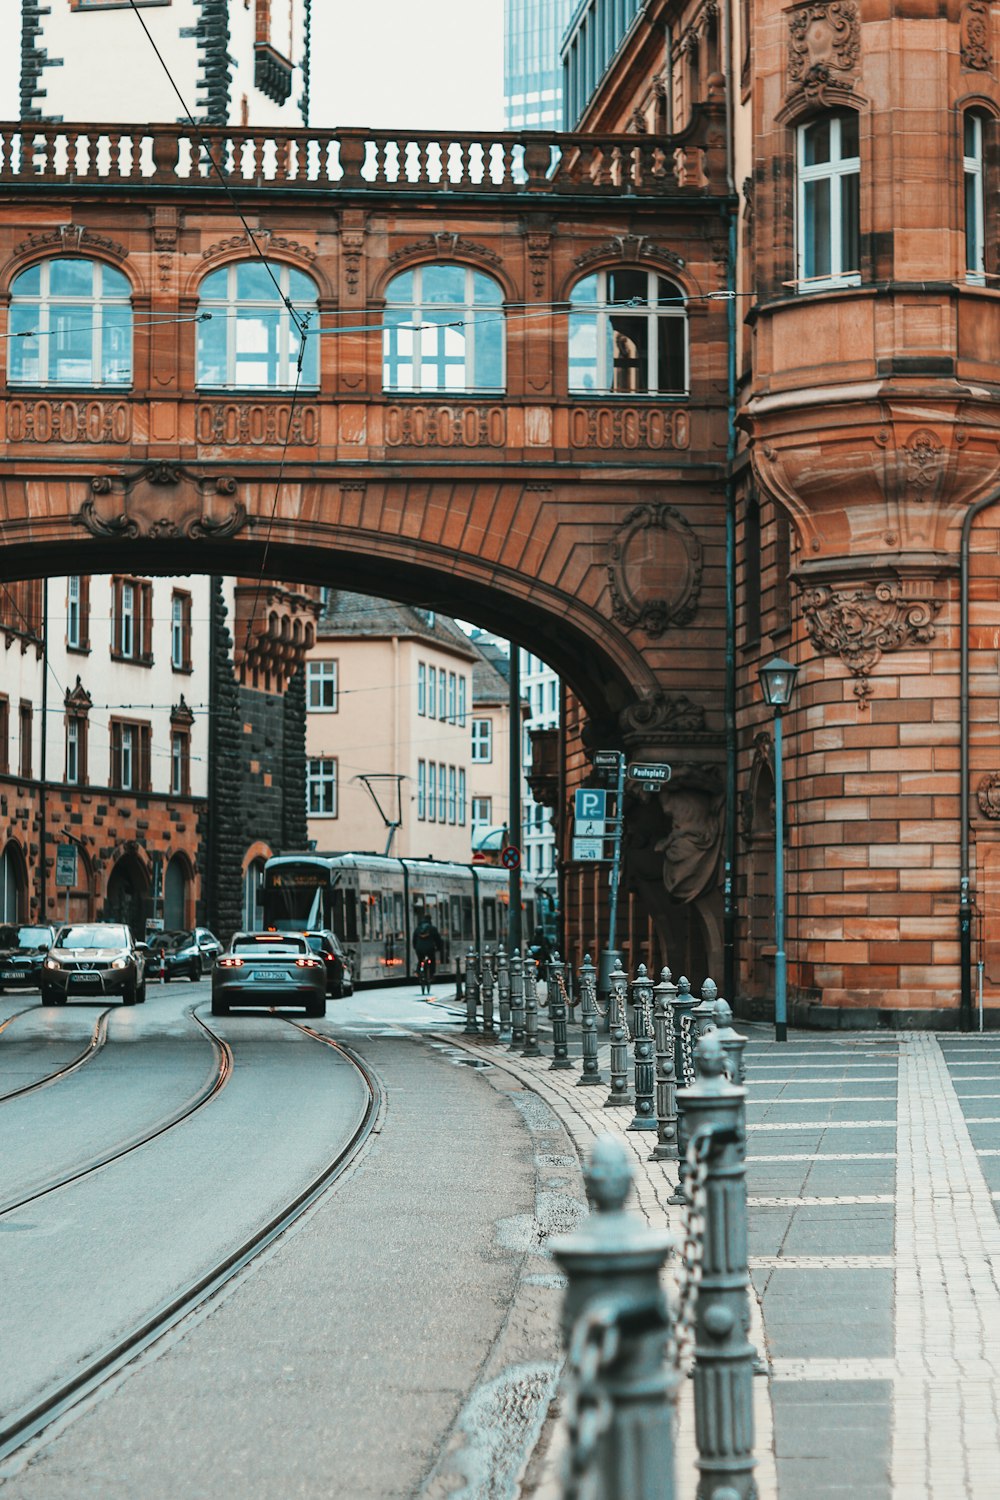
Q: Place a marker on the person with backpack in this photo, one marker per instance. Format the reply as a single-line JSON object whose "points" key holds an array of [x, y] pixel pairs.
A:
{"points": [[427, 944]]}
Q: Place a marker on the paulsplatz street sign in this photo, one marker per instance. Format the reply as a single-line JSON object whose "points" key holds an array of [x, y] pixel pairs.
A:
{"points": [[651, 773]]}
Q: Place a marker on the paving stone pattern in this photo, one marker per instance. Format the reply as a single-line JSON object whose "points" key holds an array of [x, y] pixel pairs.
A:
{"points": [[873, 1177]]}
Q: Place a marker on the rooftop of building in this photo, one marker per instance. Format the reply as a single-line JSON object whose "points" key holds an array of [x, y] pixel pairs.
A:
{"points": [[360, 616]]}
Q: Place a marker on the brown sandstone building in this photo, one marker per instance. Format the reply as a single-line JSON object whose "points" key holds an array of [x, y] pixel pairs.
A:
{"points": [[707, 378]]}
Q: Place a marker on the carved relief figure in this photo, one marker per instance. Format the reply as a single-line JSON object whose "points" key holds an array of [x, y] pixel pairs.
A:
{"points": [[693, 845]]}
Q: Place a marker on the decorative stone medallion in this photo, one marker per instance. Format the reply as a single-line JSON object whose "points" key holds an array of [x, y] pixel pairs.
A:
{"points": [[988, 796], [655, 570], [860, 626]]}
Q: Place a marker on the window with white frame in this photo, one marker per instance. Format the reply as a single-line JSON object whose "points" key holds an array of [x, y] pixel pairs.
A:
{"points": [[452, 698], [443, 696], [78, 612], [251, 340], [74, 736], [482, 812], [443, 330], [421, 688], [432, 692], [321, 687], [127, 620], [321, 787], [972, 171], [461, 701], [482, 739], [461, 796], [452, 794], [829, 184], [442, 793], [421, 790], [432, 791], [180, 631], [70, 324], [628, 334]]}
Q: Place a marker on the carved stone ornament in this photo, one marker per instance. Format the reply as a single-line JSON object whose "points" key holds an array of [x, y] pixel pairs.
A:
{"points": [[539, 245], [825, 39], [654, 570], [761, 768], [988, 796], [660, 719], [974, 36], [264, 240], [138, 506], [74, 239], [860, 626], [631, 247], [447, 245], [352, 243]]}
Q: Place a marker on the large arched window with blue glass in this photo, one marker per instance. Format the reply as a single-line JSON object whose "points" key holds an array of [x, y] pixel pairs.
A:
{"points": [[70, 325], [628, 335], [443, 331], [251, 336]]}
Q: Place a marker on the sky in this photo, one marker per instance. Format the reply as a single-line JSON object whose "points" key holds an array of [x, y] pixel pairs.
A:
{"points": [[416, 64]]}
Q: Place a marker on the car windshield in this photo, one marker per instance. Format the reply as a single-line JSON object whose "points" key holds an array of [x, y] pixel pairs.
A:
{"points": [[25, 937], [174, 940], [93, 937], [270, 945], [315, 941]]}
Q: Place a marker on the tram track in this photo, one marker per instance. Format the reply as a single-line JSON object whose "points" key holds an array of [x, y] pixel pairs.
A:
{"points": [[98, 1037], [21, 1427], [222, 1074]]}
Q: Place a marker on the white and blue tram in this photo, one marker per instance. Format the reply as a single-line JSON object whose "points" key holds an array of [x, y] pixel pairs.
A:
{"points": [[373, 902]]}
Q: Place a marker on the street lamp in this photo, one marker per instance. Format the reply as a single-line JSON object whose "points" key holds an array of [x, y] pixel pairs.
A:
{"points": [[777, 681]]}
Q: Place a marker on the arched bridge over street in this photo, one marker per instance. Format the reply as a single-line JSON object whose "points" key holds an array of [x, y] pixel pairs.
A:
{"points": [[557, 477]]}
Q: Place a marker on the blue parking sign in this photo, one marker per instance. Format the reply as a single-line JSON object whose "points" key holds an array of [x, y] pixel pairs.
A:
{"points": [[591, 805]]}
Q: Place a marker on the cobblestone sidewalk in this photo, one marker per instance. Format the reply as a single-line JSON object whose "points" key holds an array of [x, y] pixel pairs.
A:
{"points": [[873, 1179]]}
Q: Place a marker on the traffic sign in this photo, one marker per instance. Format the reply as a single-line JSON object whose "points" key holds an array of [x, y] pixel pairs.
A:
{"points": [[607, 759], [653, 773], [66, 865], [589, 850], [510, 858], [590, 804]]}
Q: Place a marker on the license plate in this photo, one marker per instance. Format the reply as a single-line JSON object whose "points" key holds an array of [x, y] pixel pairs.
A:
{"points": [[12, 974], [87, 978], [271, 976]]}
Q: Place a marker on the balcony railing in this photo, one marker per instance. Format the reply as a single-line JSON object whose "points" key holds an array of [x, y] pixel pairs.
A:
{"points": [[499, 162]]}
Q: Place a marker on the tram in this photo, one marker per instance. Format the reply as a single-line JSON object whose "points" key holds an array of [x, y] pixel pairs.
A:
{"points": [[373, 902]]}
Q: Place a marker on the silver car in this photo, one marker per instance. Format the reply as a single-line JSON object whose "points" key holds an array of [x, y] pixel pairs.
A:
{"points": [[269, 968], [91, 960]]}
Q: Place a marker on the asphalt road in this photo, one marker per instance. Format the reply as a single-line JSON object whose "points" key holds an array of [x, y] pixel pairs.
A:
{"points": [[401, 1340]]}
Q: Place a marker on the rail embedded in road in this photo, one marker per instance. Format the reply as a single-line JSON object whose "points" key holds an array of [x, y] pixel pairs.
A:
{"points": [[98, 1037]]}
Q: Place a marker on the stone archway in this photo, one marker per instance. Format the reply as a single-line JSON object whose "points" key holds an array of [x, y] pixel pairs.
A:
{"points": [[177, 894], [127, 897], [13, 885]]}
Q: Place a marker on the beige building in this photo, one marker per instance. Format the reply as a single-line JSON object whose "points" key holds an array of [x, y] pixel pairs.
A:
{"points": [[389, 698], [489, 775]]}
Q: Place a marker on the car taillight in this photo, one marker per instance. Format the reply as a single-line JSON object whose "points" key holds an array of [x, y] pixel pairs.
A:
{"points": [[308, 963], [230, 963]]}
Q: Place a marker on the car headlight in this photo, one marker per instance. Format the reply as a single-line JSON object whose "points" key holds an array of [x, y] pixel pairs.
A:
{"points": [[119, 963], [52, 963]]}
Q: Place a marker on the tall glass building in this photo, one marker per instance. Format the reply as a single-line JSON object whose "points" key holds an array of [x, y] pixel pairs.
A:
{"points": [[532, 80]]}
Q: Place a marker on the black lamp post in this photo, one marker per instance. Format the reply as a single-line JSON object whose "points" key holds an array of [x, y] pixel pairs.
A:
{"points": [[777, 681]]}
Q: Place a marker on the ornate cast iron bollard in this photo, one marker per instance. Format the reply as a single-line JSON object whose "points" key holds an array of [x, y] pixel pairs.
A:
{"points": [[684, 1037], [489, 1030], [531, 1047], [558, 1007], [588, 1024], [620, 1093], [516, 1000], [503, 990], [617, 1385], [642, 1033], [666, 1079], [723, 1362], [471, 994], [733, 1043], [704, 1011]]}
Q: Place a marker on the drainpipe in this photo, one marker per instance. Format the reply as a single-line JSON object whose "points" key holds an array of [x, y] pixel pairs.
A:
{"points": [[964, 896], [730, 914]]}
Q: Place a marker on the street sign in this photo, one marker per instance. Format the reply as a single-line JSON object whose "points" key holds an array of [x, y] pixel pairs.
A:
{"points": [[652, 773], [607, 759], [588, 850], [510, 858], [66, 865], [590, 804]]}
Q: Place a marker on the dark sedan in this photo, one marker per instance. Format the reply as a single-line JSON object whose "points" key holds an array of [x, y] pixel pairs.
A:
{"points": [[269, 968], [94, 959], [183, 955], [22, 954], [339, 979]]}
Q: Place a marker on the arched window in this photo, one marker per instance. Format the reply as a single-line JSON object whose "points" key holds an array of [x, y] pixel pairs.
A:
{"points": [[628, 334], [975, 197], [829, 180], [70, 324], [443, 331], [250, 339]]}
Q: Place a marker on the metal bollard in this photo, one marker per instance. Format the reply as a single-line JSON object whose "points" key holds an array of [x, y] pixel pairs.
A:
{"points": [[531, 1047], [704, 1012], [684, 1038], [558, 1007], [617, 1386], [666, 1079], [619, 1039], [733, 1043], [642, 1045], [588, 1024], [503, 990], [489, 1030], [723, 1366], [516, 1000], [471, 994]]}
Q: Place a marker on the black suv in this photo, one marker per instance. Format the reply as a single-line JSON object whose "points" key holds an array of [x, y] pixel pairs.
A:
{"points": [[187, 955], [327, 945], [22, 953]]}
